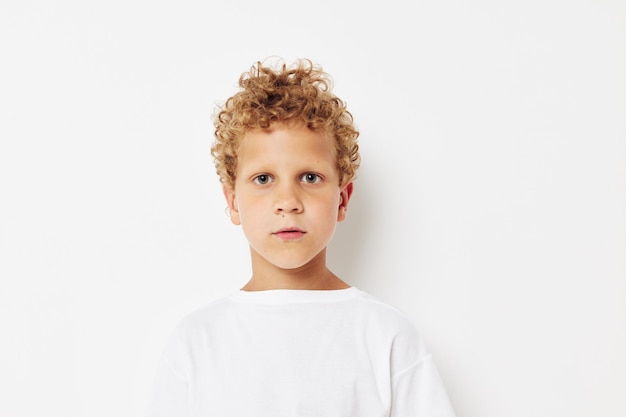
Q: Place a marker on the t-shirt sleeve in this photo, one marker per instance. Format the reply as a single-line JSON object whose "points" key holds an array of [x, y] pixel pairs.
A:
{"points": [[418, 391], [169, 396]]}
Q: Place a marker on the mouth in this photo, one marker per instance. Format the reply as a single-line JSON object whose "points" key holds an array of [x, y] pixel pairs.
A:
{"points": [[290, 233]]}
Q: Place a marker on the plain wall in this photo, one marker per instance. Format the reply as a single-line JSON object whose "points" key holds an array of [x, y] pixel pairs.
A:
{"points": [[490, 207]]}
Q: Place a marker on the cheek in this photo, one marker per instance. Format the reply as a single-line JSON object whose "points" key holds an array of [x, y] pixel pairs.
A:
{"points": [[252, 210], [329, 206]]}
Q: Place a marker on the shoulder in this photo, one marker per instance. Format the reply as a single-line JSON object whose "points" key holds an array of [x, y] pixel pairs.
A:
{"points": [[191, 329], [406, 345], [201, 317], [198, 320], [383, 312]]}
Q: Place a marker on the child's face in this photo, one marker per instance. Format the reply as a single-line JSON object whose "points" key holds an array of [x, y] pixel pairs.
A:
{"points": [[287, 196]]}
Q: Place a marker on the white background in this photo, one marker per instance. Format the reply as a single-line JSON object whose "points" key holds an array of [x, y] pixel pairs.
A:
{"points": [[491, 204]]}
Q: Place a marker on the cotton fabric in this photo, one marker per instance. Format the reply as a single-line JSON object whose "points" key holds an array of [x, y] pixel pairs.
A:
{"points": [[297, 353]]}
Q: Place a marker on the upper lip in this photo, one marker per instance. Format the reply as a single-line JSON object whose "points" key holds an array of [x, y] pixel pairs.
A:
{"points": [[289, 229]]}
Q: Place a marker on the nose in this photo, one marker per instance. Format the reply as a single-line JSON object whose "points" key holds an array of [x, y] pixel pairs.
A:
{"points": [[287, 200]]}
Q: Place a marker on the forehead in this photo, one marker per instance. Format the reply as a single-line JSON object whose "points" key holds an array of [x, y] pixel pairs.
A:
{"points": [[290, 141]]}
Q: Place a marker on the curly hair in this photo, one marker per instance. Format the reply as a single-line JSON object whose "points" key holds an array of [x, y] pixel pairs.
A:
{"points": [[299, 93]]}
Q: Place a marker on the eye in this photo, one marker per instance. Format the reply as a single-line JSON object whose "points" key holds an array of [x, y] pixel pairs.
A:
{"points": [[311, 178], [262, 179]]}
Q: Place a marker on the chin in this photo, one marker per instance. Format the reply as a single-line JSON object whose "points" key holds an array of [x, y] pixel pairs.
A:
{"points": [[290, 264], [290, 260]]}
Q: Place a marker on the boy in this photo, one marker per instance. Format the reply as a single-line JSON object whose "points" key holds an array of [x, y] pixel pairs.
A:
{"points": [[296, 340]]}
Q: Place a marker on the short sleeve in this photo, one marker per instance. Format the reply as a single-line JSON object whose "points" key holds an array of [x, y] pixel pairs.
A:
{"points": [[418, 391], [169, 396], [170, 389]]}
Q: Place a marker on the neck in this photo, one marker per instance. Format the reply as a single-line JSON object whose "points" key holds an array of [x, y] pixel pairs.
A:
{"points": [[314, 275]]}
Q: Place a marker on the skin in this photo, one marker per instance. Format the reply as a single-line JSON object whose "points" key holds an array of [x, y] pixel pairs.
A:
{"points": [[288, 200]]}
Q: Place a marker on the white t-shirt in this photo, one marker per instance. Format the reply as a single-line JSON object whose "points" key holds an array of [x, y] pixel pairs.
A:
{"points": [[297, 353]]}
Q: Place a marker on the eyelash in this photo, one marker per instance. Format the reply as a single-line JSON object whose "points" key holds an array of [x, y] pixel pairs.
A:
{"points": [[318, 178], [268, 178], [256, 179]]}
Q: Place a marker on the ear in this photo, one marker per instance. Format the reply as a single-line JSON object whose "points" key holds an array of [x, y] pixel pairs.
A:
{"points": [[231, 200], [344, 197]]}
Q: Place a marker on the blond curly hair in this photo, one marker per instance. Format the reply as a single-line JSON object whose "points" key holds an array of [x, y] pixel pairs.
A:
{"points": [[280, 94]]}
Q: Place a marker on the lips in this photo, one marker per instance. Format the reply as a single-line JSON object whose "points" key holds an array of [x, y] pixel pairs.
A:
{"points": [[290, 233]]}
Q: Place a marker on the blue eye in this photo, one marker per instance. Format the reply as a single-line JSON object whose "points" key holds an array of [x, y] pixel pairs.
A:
{"points": [[311, 178], [262, 179]]}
